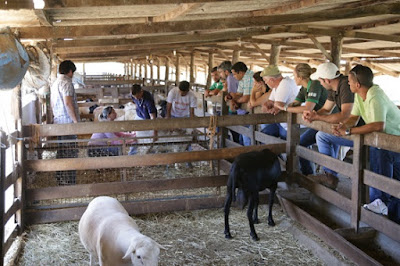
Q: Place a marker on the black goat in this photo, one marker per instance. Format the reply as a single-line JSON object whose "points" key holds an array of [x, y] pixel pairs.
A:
{"points": [[250, 173]]}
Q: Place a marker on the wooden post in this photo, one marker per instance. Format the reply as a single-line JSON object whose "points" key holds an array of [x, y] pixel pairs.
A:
{"points": [[192, 80], [210, 66], [131, 75], [235, 56], [166, 71], [134, 70], [178, 70], [151, 72], [140, 70], [336, 49], [292, 140], [275, 52], [357, 187], [158, 70], [145, 72], [84, 71], [347, 68], [2, 192], [224, 111]]}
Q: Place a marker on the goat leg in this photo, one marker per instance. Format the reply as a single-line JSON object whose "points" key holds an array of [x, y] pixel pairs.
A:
{"points": [[227, 206], [253, 233], [270, 204], [255, 213]]}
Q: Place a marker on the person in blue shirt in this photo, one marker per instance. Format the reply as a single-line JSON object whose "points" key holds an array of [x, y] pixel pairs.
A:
{"points": [[145, 109]]}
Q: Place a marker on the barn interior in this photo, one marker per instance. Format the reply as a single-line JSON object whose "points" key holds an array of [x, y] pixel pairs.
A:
{"points": [[160, 43]]}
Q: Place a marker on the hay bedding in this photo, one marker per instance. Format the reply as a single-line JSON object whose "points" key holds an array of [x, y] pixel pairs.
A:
{"points": [[190, 238]]}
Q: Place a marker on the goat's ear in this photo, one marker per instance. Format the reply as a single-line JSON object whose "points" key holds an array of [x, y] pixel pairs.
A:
{"points": [[130, 250]]}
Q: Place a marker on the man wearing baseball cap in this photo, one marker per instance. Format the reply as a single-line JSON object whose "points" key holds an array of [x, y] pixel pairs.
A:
{"points": [[341, 98], [284, 92]]}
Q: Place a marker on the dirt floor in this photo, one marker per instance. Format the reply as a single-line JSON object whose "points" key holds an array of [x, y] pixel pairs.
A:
{"points": [[190, 238]]}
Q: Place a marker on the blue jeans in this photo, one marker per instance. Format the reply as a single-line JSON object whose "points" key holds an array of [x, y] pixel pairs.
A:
{"points": [[386, 163], [244, 140], [275, 130], [329, 145], [306, 139]]}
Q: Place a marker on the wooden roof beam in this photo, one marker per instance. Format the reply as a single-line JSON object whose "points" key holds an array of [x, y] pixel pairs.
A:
{"points": [[294, 45], [194, 38], [43, 18], [181, 10], [320, 47], [376, 67], [218, 24], [96, 3]]}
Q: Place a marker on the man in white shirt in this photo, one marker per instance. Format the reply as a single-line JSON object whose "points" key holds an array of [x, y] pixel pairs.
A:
{"points": [[181, 101], [284, 92]]}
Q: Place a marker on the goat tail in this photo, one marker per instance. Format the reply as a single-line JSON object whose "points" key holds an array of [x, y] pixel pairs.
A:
{"points": [[233, 176]]}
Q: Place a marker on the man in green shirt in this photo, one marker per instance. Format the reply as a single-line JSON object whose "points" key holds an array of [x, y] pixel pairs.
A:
{"points": [[380, 114], [217, 86]]}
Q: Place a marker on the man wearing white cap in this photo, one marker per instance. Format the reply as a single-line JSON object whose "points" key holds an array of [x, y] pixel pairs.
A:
{"points": [[339, 97]]}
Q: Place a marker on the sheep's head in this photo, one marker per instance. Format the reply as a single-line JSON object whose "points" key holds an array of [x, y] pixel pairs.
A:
{"points": [[144, 252]]}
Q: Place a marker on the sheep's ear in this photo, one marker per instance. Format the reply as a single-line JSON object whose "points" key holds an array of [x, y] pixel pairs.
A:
{"points": [[160, 246], [130, 250]]}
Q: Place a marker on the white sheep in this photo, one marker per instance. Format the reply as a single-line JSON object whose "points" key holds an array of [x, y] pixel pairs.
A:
{"points": [[110, 234]]}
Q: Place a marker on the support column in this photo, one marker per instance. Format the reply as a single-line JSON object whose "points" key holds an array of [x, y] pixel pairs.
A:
{"points": [[84, 71], [192, 80], [166, 70], [178, 70], [275, 52], [132, 75], [145, 72], [151, 72], [158, 70], [210, 66], [140, 70], [336, 49], [134, 70], [235, 56]]}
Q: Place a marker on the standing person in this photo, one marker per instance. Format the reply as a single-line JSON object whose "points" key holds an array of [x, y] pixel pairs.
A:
{"points": [[284, 92], [314, 95], [65, 111], [181, 101], [380, 115], [217, 86], [145, 109], [341, 98]]}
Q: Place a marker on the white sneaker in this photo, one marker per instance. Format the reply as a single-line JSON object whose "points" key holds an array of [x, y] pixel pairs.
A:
{"points": [[377, 206]]}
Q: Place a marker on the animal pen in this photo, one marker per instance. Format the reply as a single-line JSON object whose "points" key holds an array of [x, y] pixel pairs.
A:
{"points": [[165, 176]]}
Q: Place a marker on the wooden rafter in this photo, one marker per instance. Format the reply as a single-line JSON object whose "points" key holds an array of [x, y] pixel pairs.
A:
{"points": [[94, 3], [320, 47], [181, 10], [185, 26]]}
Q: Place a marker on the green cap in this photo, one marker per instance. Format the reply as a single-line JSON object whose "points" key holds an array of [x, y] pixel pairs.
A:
{"points": [[271, 70]]}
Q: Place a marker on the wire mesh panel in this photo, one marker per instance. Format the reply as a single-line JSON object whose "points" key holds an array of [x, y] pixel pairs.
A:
{"points": [[83, 148]]}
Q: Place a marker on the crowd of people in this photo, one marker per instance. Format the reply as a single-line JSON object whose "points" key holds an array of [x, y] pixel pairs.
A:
{"points": [[353, 104]]}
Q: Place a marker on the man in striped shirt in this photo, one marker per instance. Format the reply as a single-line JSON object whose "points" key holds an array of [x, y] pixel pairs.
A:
{"points": [[65, 111]]}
